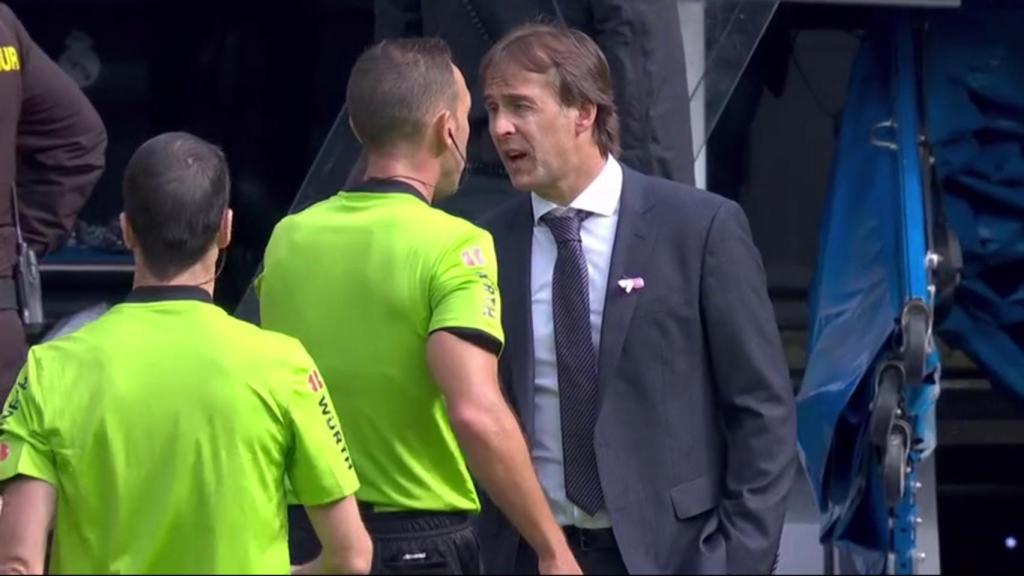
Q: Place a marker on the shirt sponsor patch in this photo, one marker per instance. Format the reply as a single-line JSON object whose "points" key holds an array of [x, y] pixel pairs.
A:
{"points": [[15, 401], [473, 257], [490, 308], [335, 429], [315, 383]]}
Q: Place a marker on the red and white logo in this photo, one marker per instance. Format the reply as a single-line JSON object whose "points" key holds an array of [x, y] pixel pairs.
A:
{"points": [[473, 257], [5, 451], [315, 383]]}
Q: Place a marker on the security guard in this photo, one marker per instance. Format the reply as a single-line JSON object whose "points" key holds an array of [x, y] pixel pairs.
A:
{"points": [[398, 304], [52, 146], [163, 432]]}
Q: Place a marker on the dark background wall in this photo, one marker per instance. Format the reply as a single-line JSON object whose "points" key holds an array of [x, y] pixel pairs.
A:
{"points": [[265, 84]]}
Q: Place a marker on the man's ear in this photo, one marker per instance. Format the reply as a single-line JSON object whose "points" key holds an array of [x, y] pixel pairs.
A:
{"points": [[224, 234], [586, 115], [441, 130], [127, 234]]}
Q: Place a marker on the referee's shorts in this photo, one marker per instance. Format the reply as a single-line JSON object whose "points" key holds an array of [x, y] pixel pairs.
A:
{"points": [[403, 542]]}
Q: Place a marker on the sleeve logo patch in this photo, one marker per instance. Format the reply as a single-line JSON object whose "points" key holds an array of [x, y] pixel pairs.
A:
{"points": [[490, 308], [5, 451], [473, 257], [335, 428], [9, 61], [314, 381]]}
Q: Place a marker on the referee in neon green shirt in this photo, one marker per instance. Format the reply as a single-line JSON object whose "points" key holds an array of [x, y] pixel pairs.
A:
{"points": [[398, 304], [163, 434]]}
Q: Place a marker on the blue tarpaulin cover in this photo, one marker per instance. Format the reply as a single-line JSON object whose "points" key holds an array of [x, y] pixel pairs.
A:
{"points": [[974, 62], [855, 306], [854, 303], [974, 94]]}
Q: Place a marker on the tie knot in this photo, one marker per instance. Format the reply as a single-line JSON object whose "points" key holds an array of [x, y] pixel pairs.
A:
{"points": [[564, 223]]}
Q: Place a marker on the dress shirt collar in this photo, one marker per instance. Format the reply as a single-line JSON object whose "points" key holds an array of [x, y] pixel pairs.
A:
{"points": [[601, 197]]}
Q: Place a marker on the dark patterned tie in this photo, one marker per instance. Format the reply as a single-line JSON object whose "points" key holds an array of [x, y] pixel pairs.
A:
{"points": [[577, 359]]}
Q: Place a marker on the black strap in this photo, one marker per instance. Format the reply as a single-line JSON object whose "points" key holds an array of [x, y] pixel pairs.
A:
{"points": [[8, 294], [17, 217]]}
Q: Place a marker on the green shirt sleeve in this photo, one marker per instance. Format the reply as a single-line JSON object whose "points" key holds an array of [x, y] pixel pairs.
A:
{"points": [[464, 288], [319, 468], [24, 449]]}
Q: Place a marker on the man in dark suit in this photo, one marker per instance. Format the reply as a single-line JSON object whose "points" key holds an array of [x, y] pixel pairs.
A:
{"points": [[642, 352], [644, 45]]}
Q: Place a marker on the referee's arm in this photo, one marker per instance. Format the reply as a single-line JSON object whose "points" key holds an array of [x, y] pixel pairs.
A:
{"points": [[322, 476], [493, 443], [27, 477], [29, 505], [462, 352]]}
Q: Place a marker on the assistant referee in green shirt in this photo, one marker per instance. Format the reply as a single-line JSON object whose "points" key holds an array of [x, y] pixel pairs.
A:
{"points": [[398, 304], [163, 434]]}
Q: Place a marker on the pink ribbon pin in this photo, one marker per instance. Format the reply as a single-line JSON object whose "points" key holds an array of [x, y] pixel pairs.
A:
{"points": [[630, 284]]}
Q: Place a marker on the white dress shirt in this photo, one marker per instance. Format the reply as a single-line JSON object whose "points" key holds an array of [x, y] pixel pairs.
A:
{"points": [[601, 199]]}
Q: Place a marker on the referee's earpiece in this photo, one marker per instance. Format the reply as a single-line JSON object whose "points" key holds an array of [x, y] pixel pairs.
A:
{"points": [[354, 131], [451, 136], [462, 157]]}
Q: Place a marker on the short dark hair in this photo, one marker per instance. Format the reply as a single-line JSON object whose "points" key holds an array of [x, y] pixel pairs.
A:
{"points": [[394, 88], [576, 65], [176, 189]]}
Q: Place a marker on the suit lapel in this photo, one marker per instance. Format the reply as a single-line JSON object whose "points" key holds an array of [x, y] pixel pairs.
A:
{"points": [[633, 241], [514, 254]]}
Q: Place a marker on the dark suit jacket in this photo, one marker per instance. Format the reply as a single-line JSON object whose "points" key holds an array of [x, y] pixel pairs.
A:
{"points": [[641, 40], [696, 434], [52, 144]]}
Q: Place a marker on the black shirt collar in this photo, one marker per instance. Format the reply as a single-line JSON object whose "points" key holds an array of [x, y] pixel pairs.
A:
{"points": [[388, 186], [144, 294]]}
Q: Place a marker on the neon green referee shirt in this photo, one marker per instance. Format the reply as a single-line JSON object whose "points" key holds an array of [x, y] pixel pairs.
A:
{"points": [[169, 430], [362, 279]]}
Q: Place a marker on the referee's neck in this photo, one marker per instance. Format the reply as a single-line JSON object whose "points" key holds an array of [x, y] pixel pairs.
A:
{"points": [[202, 274], [418, 169]]}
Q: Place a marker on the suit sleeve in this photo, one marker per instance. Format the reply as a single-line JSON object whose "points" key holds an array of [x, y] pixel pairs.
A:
{"points": [[754, 392], [61, 146], [397, 19], [643, 43]]}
